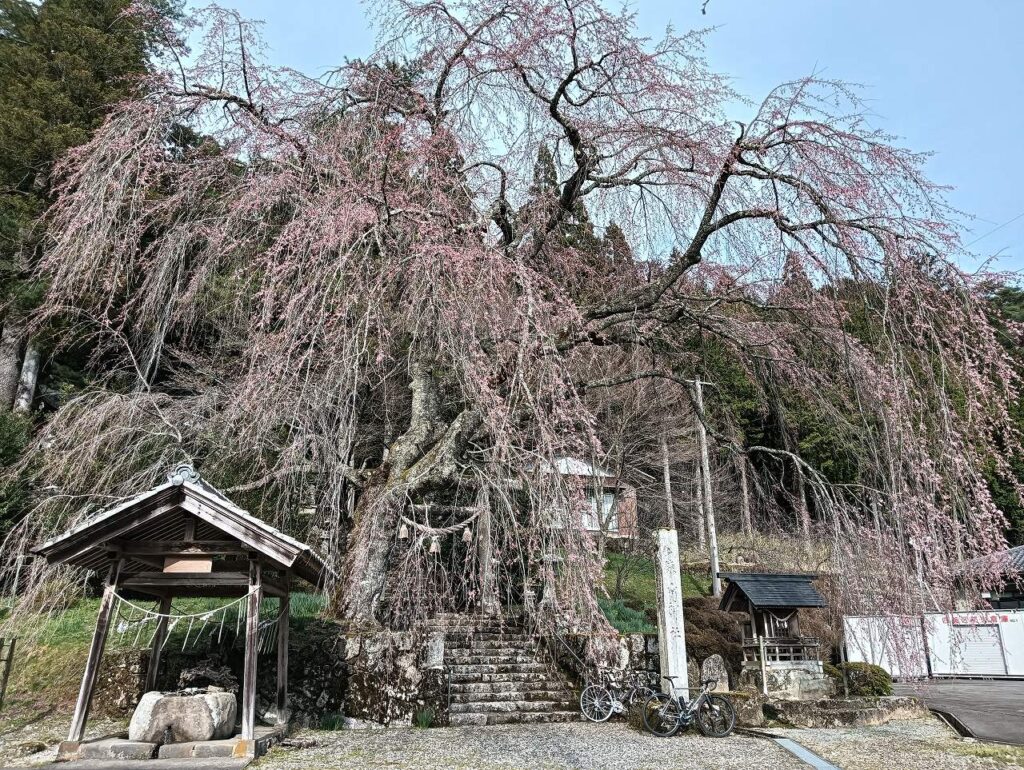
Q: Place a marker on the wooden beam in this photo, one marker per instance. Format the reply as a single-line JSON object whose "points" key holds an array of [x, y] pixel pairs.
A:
{"points": [[282, 660], [92, 663], [132, 549], [188, 583], [221, 517], [91, 536], [159, 637], [252, 624]]}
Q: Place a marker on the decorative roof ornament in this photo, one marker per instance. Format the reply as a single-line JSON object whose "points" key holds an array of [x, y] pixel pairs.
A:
{"points": [[183, 473]]}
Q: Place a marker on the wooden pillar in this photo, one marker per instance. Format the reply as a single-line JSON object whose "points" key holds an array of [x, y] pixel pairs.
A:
{"points": [[282, 657], [159, 637], [252, 624], [92, 663], [764, 664]]}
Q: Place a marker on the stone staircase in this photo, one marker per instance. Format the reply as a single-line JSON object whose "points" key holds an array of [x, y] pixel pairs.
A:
{"points": [[500, 675]]}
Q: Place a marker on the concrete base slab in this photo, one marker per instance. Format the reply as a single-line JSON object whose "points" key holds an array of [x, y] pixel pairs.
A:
{"points": [[122, 750], [116, 748], [106, 748], [157, 764], [200, 749]]}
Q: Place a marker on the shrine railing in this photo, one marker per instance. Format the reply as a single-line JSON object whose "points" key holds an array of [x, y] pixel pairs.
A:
{"points": [[781, 649]]}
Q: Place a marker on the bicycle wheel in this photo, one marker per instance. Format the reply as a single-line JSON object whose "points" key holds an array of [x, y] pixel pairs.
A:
{"points": [[716, 717], [661, 715], [639, 696], [596, 703]]}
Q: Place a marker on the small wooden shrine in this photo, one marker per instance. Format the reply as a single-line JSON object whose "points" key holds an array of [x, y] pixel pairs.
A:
{"points": [[774, 649], [184, 538]]}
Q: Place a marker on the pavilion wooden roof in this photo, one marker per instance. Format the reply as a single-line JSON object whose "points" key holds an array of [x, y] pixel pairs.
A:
{"points": [[183, 515]]}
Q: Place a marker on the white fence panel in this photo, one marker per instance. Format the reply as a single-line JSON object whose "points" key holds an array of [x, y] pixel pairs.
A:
{"points": [[984, 643], [894, 642]]}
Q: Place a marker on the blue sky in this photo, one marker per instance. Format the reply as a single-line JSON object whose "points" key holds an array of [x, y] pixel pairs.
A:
{"points": [[945, 75]]}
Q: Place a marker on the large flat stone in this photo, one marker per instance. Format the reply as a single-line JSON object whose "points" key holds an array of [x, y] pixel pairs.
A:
{"points": [[170, 718]]}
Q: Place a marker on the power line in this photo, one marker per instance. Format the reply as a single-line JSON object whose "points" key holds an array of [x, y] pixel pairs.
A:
{"points": [[995, 229]]}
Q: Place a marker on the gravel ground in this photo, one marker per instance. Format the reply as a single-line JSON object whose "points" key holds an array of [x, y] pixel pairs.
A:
{"points": [[922, 744], [919, 744], [33, 741], [610, 746]]}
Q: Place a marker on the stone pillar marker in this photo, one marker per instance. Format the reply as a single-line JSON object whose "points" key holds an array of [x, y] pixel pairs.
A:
{"points": [[671, 632]]}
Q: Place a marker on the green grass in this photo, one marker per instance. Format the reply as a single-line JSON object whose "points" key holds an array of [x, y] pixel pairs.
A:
{"points": [[625, 619], [1005, 755], [638, 600], [74, 626], [51, 651]]}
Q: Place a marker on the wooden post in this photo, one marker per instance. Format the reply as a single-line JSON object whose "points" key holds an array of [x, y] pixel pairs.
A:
{"points": [[159, 637], [92, 663], [764, 664], [6, 646], [252, 624], [671, 625], [843, 662], [282, 658]]}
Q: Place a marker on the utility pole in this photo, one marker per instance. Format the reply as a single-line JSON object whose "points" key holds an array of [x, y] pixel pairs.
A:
{"points": [[709, 508], [670, 513]]}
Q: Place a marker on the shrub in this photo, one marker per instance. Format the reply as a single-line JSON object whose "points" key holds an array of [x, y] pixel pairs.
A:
{"points": [[625, 619], [424, 718], [863, 679], [332, 721]]}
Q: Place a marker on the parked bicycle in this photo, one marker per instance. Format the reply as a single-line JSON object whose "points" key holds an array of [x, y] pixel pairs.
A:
{"points": [[615, 694], [665, 713]]}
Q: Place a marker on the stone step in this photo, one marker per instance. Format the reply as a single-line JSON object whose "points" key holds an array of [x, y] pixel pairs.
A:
{"points": [[513, 717], [514, 695], [475, 686], [473, 658], [496, 636], [498, 668], [507, 676], [485, 646], [507, 706]]}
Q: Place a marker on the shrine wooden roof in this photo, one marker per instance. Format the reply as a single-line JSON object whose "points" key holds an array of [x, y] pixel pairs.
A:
{"points": [[184, 516], [769, 591]]}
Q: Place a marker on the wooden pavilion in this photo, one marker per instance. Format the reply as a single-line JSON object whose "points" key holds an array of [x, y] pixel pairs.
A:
{"points": [[184, 538]]}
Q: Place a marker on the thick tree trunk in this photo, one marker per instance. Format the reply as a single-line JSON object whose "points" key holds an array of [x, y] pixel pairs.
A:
{"points": [[803, 513], [425, 456], [709, 507], [10, 361], [29, 378], [748, 524]]}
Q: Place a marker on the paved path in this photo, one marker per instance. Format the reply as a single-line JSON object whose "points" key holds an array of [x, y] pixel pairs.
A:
{"points": [[992, 709]]}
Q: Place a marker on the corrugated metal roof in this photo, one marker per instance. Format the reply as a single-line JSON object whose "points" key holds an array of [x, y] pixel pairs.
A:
{"points": [[1010, 560], [767, 590]]}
